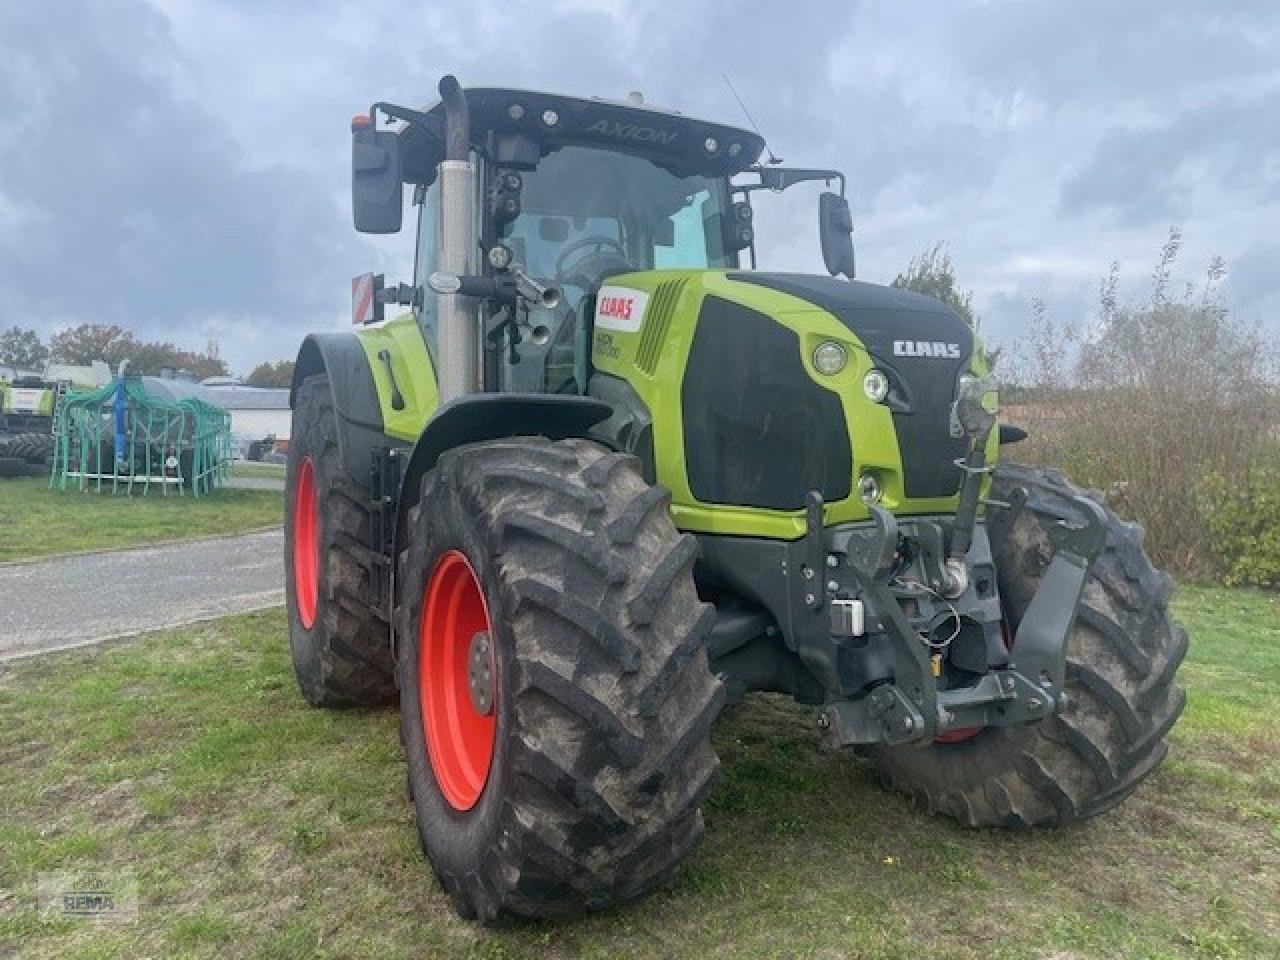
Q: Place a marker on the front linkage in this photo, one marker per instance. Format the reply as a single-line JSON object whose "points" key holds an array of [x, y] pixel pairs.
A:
{"points": [[930, 588], [911, 614]]}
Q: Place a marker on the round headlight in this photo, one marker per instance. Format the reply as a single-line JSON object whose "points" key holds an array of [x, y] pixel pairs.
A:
{"points": [[550, 118], [499, 256], [711, 144], [869, 488], [875, 385], [829, 358], [515, 111]]}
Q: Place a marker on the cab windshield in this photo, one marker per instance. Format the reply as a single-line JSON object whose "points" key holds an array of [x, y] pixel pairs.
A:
{"points": [[587, 214]]}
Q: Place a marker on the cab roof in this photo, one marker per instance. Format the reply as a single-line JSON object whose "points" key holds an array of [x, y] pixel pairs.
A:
{"points": [[516, 127]]}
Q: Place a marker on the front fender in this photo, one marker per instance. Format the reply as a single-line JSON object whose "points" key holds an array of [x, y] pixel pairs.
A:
{"points": [[490, 416]]}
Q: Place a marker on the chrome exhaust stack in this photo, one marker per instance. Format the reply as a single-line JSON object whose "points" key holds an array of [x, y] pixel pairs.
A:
{"points": [[459, 340]]}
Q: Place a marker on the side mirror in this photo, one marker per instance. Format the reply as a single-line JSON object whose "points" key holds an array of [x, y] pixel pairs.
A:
{"points": [[835, 229], [377, 171]]}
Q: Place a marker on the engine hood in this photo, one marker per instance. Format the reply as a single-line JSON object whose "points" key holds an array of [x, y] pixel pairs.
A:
{"points": [[921, 343]]}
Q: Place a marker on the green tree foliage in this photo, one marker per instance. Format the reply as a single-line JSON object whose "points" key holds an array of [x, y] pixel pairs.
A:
{"points": [[89, 342], [268, 374], [933, 274], [20, 347]]}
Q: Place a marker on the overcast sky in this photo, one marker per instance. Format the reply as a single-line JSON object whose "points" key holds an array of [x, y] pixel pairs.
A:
{"points": [[182, 168]]}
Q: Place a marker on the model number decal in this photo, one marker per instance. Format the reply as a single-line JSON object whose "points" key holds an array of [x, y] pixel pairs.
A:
{"points": [[618, 308], [633, 131], [926, 348]]}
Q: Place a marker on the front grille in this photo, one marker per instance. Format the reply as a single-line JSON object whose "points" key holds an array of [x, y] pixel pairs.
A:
{"points": [[758, 431], [656, 321]]}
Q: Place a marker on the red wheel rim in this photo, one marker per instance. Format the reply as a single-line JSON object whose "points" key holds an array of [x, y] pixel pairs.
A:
{"points": [[459, 737], [306, 544]]}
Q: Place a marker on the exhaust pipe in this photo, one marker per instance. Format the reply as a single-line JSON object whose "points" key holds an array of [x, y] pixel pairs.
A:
{"points": [[459, 340]]}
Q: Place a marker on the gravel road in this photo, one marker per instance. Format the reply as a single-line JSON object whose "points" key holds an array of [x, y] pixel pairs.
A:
{"points": [[72, 601]]}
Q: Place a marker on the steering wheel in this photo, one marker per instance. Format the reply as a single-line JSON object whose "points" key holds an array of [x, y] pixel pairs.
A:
{"points": [[598, 246]]}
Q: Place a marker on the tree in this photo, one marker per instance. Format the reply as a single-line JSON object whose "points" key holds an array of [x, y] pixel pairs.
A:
{"points": [[933, 274], [20, 347], [89, 342], [268, 374]]}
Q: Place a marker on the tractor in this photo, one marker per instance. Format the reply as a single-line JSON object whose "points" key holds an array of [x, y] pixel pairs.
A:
{"points": [[598, 478], [26, 420]]}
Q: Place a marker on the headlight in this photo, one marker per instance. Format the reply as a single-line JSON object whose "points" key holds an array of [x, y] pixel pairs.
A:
{"points": [[875, 385], [829, 358]]}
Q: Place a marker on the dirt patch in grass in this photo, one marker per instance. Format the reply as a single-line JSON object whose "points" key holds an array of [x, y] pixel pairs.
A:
{"points": [[36, 521], [261, 828]]}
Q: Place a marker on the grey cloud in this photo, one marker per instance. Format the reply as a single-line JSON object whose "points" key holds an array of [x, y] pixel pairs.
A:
{"points": [[1230, 145], [134, 205], [185, 171]]}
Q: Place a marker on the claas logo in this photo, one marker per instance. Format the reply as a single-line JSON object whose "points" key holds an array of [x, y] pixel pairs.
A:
{"points": [[926, 348], [616, 307]]}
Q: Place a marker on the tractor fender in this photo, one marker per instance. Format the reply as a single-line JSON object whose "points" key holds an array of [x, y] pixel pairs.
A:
{"points": [[491, 416], [355, 396]]}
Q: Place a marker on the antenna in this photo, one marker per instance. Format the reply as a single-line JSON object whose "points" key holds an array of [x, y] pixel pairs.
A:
{"points": [[747, 114]]}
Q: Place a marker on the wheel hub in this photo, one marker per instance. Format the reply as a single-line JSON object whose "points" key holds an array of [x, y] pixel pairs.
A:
{"points": [[480, 673]]}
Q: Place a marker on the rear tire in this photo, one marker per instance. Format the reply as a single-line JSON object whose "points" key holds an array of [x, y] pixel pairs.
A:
{"points": [[341, 649], [602, 700], [34, 448], [1122, 699]]}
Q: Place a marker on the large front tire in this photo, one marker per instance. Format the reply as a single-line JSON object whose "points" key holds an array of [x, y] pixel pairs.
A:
{"points": [[1122, 699], [341, 649], [572, 778]]}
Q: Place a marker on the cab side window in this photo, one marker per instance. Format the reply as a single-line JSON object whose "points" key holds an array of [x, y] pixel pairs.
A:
{"points": [[425, 262]]}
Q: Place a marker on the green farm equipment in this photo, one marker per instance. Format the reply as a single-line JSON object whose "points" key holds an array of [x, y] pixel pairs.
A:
{"points": [[598, 478], [139, 434], [26, 422]]}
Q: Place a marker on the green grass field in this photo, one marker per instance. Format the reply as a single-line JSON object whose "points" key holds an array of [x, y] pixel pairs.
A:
{"points": [[36, 521], [263, 471], [261, 828]]}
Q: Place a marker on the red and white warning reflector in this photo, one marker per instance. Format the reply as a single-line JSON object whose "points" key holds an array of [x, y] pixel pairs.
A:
{"points": [[362, 299]]}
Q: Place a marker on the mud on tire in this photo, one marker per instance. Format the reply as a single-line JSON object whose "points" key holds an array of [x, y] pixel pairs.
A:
{"points": [[344, 659], [1121, 662], [603, 697]]}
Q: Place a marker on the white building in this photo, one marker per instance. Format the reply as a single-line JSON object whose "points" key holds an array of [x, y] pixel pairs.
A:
{"points": [[256, 412]]}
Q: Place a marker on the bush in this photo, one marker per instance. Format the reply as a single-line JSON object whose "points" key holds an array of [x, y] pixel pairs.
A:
{"points": [[1244, 522], [1149, 402]]}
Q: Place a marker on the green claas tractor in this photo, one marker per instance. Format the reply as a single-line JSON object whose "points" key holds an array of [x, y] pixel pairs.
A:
{"points": [[598, 479], [26, 420]]}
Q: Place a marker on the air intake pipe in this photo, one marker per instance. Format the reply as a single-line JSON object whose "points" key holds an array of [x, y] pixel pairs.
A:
{"points": [[459, 353]]}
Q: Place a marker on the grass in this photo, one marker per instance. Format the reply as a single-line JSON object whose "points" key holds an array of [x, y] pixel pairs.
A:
{"points": [[36, 521], [260, 828], [270, 471]]}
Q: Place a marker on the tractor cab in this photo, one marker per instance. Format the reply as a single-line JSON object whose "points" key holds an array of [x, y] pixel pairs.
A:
{"points": [[567, 192]]}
